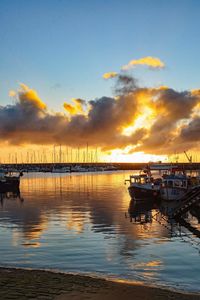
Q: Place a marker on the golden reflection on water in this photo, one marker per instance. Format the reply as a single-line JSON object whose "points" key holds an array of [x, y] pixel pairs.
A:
{"points": [[75, 200], [87, 222], [153, 263], [76, 222]]}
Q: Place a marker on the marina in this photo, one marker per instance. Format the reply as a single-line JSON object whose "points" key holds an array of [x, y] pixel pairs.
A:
{"points": [[110, 235], [99, 150]]}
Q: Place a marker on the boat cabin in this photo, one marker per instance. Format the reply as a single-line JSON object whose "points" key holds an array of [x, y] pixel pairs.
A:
{"points": [[141, 179], [175, 181]]}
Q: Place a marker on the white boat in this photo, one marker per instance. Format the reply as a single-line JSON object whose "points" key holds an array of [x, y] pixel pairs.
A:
{"points": [[175, 186], [162, 167], [61, 170]]}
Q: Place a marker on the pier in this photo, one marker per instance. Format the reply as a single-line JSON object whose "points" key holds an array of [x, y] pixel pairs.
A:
{"points": [[190, 198]]}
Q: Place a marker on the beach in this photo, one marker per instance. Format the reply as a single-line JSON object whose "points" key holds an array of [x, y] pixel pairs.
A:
{"points": [[36, 284]]}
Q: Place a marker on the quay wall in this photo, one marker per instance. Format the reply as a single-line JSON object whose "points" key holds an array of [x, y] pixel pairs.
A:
{"points": [[119, 166]]}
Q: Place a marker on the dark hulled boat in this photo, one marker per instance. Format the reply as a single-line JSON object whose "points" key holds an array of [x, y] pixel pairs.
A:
{"points": [[143, 187], [9, 181]]}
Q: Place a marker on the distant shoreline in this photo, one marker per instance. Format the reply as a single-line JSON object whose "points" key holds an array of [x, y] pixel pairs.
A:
{"points": [[119, 165], [22, 284]]}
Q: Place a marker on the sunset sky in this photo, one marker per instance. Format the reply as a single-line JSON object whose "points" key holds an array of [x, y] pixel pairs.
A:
{"points": [[119, 76]]}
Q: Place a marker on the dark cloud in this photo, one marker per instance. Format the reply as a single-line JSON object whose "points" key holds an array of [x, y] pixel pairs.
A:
{"points": [[101, 122], [29, 121], [191, 132], [125, 84], [172, 107]]}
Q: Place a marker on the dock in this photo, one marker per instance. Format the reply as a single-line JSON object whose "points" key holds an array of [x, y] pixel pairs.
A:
{"points": [[190, 198]]}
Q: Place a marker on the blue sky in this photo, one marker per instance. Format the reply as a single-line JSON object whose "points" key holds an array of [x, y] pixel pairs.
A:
{"points": [[61, 48]]}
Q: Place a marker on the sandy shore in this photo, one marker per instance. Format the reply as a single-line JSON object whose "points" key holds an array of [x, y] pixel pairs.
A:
{"points": [[32, 284]]}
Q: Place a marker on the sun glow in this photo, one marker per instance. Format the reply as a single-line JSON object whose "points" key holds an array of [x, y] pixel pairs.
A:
{"points": [[144, 120], [119, 155]]}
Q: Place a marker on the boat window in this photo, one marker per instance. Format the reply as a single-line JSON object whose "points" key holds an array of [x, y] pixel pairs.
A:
{"points": [[184, 183], [135, 179], [170, 183], [177, 183]]}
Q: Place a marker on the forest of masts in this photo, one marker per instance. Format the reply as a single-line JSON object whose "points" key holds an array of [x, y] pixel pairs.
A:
{"points": [[58, 154], [63, 154]]}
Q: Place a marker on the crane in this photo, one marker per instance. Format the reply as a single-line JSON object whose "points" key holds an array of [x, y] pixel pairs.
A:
{"points": [[188, 157]]}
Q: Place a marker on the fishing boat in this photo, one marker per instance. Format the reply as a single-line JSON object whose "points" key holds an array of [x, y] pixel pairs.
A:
{"points": [[173, 184], [143, 186], [176, 185], [9, 181]]}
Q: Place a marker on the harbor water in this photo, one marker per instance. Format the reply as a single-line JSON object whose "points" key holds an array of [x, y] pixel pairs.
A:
{"points": [[86, 223]]}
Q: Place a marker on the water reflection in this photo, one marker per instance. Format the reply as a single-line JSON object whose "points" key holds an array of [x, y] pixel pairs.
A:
{"points": [[142, 212], [76, 223], [11, 195]]}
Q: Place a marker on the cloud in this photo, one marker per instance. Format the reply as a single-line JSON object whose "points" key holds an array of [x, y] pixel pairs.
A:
{"points": [[25, 94], [76, 108], [191, 131], [56, 86], [173, 110], [161, 120], [29, 121], [109, 75], [12, 93], [152, 62], [125, 84]]}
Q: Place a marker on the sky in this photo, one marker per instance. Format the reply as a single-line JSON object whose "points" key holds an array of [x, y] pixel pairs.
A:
{"points": [[60, 49]]}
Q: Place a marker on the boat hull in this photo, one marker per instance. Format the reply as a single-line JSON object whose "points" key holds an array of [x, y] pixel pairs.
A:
{"points": [[172, 194], [141, 193], [9, 184]]}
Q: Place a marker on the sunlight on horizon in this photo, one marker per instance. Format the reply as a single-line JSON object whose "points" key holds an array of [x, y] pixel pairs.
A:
{"points": [[64, 154]]}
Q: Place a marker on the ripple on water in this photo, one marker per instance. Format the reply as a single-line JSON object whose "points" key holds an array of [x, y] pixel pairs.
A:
{"points": [[80, 223]]}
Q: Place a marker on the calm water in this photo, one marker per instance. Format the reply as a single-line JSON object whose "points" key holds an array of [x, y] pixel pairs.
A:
{"points": [[86, 223]]}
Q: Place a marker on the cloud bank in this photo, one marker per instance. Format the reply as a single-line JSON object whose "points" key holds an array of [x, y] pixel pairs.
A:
{"points": [[159, 120]]}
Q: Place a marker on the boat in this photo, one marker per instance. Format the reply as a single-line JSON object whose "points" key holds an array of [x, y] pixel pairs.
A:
{"points": [[61, 169], [172, 185], [143, 186], [176, 185], [9, 181], [162, 167]]}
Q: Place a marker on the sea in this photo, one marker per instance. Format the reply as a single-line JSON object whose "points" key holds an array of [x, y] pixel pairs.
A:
{"points": [[86, 223]]}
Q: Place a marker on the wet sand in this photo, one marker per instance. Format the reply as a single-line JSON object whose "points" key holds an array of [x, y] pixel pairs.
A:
{"points": [[34, 284]]}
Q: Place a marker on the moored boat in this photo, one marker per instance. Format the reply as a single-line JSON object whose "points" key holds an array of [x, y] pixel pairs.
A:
{"points": [[175, 186], [9, 181], [144, 186], [172, 185]]}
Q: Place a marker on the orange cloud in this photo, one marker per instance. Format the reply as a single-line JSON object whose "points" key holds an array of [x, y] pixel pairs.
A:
{"points": [[149, 61], [12, 93], [109, 75], [28, 95], [153, 120], [77, 108]]}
